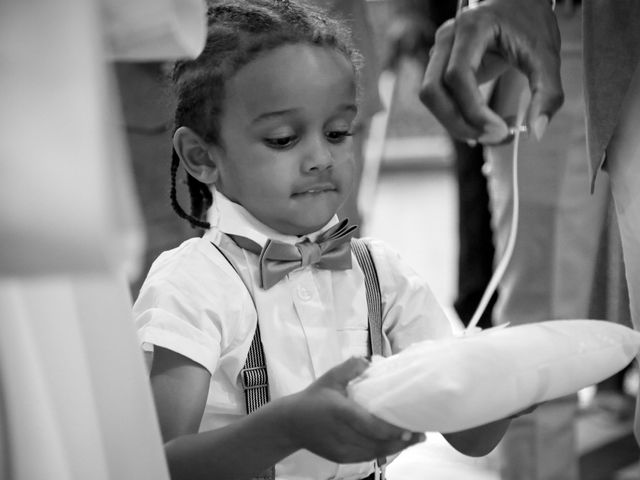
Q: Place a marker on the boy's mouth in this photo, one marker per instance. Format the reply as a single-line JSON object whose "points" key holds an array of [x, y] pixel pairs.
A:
{"points": [[315, 189]]}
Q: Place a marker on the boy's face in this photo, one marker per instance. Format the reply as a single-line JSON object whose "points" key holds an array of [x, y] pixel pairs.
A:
{"points": [[286, 151]]}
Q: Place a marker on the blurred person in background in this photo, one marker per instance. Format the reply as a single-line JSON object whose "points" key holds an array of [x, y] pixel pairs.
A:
{"points": [[552, 270], [525, 35], [147, 108], [551, 273]]}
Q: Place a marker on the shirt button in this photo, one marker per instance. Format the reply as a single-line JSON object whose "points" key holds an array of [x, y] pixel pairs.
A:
{"points": [[304, 294]]}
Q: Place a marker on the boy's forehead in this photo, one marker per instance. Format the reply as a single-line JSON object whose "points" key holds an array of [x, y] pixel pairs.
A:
{"points": [[293, 77]]}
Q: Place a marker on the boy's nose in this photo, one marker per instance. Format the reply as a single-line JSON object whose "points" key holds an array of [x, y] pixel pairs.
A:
{"points": [[319, 156]]}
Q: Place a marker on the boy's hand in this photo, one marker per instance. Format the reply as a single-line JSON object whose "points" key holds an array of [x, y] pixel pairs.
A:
{"points": [[323, 420]]}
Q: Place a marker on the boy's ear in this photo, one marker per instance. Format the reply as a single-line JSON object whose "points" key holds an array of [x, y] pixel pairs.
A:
{"points": [[194, 154]]}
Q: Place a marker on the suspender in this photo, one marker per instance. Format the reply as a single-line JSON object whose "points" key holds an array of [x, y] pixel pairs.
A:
{"points": [[255, 381], [374, 297], [254, 373], [374, 308]]}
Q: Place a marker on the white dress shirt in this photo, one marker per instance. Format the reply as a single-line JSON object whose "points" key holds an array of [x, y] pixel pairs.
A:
{"points": [[194, 303]]}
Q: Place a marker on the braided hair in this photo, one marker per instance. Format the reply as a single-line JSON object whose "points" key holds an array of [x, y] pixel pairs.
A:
{"points": [[238, 32]]}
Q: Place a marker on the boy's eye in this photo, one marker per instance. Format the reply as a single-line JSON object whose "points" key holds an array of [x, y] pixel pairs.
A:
{"points": [[280, 142], [338, 136]]}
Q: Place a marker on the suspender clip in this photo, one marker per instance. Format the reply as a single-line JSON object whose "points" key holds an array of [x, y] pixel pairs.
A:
{"points": [[254, 377]]}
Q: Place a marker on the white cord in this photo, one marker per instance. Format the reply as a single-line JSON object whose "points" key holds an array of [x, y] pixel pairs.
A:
{"points": [[506, 257]]}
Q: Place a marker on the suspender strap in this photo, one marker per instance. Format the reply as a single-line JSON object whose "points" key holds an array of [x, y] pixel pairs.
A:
{"points": [[255, 381], [254, 375], [374, 298], [374, 315]]}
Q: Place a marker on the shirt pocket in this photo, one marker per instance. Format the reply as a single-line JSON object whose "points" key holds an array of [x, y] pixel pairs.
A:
{"points": [[354, 342]]}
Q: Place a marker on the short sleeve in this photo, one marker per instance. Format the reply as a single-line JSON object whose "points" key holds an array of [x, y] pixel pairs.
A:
{"points": [[165, 318], [184, 306], [411, 313]]}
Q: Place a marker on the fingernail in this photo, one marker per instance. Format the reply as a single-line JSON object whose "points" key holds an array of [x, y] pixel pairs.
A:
{"points": [[539, 126]]}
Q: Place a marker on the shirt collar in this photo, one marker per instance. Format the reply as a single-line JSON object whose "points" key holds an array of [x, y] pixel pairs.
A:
{"points": [[232, 218]]}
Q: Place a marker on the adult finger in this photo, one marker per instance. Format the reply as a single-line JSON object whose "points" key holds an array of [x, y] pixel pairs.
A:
{"points": [[436, 96], [473, 42], [545, 84]]}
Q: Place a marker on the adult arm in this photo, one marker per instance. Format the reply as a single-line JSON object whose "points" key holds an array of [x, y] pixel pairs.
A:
{"points": [[478, 45], [320, 418]]}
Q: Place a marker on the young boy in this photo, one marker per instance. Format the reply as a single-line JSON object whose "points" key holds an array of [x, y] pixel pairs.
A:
{"points": [[264, 121]]}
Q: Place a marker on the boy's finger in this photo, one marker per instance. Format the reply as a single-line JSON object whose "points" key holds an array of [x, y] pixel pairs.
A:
{"points": [[394, 446], [373, 427]]}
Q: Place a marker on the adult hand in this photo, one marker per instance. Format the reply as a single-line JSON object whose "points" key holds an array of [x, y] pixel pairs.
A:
{"points": [[323, 420], [478, 45]]}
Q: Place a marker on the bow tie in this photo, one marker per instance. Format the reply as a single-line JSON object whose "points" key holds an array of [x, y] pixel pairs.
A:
{"points": [[330, 251]]}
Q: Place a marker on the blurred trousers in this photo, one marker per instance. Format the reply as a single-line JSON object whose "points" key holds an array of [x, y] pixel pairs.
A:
{"points": [[551, 273]]}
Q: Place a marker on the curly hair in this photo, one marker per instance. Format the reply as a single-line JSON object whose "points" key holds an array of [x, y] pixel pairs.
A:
{"points": [[238, 32]]}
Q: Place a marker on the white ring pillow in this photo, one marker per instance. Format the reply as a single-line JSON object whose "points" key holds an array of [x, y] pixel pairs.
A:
{"points": [[452, 384]]}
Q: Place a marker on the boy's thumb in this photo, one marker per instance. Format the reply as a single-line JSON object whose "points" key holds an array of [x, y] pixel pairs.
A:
{"points": [[343, 373]]}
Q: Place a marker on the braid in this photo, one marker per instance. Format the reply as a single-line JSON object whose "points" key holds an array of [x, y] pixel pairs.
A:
{"points": [[194, 218], [238, 32]]}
